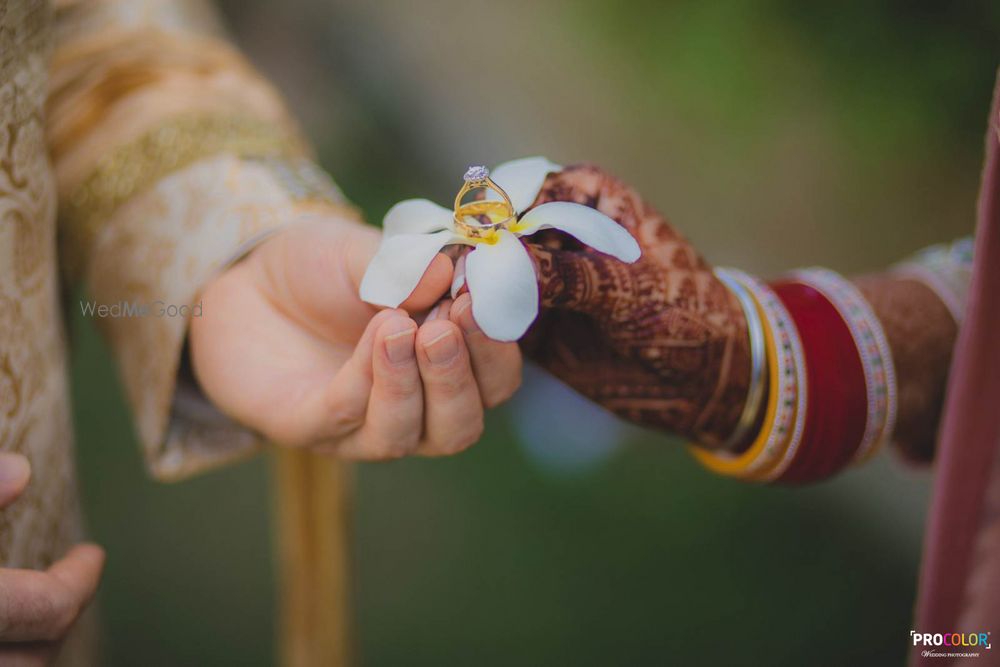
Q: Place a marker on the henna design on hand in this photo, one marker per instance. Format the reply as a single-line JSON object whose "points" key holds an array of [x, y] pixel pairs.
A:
{"points": [[661, 342]]}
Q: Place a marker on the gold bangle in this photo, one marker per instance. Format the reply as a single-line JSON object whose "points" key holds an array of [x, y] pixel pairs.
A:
{"points": [[781, 432], [739, 465], [758, 359]]}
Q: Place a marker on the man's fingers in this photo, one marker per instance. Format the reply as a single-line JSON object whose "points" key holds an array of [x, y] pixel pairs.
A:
{"points": [[434, 284], [453, 417], [394, 418], [496, 365], [346, 400], [41, 606], [331, 403], [15, 471]]}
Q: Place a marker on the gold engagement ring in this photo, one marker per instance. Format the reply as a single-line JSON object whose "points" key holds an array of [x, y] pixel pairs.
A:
{"points": [[482, 217]]}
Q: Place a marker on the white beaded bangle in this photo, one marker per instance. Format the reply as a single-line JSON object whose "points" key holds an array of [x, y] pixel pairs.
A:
{"points": [[795, 388]]}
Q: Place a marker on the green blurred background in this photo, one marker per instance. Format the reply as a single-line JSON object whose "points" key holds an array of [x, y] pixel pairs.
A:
{"points": [[774, 134]]}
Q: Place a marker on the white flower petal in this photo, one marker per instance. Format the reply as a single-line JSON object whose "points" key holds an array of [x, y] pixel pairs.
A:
{"points": [[588, 225], [399, 265], [504, 290], [416, 216], [522, 180]]}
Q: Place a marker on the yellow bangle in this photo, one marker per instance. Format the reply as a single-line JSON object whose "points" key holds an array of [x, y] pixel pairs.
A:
{"points": [[737, 465], [780, 425]]}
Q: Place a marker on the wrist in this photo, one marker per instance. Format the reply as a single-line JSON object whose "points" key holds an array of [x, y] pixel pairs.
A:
{"points": [[724, 408], [921, 333]]}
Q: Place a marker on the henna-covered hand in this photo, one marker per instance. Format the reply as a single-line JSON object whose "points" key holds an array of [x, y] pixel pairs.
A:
{"points": [[661, 342]]}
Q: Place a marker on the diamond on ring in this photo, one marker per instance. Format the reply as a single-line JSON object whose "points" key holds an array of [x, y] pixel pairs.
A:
{"points": [[476, 173]]}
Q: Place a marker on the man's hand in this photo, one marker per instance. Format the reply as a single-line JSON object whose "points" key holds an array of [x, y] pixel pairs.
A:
{"points": [[37, 609], [286, 346]]}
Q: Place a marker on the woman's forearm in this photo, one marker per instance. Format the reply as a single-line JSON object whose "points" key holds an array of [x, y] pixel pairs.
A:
{"points": [[922, 334], [663, 343]]}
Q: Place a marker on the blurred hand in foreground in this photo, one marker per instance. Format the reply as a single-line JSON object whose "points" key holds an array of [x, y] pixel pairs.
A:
{"points": [[38, 609]]}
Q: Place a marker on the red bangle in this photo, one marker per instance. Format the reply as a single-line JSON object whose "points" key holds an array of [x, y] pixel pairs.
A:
{"points": [[838, 406]]}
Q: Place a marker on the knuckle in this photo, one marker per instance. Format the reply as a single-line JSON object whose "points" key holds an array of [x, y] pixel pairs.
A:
{"points": [[400, 387], [451, 386], [343, 419]]}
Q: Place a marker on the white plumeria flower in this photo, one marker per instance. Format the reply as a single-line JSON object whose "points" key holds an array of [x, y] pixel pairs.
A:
{"points": [[498, 270]]}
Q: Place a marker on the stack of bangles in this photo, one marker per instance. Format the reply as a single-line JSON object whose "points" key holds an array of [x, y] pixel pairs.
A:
{"points": [[821, 374]]}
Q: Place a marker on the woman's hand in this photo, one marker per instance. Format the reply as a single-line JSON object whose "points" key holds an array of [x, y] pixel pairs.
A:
{"points": [[661, 342], [38, 609], [286, 346]]}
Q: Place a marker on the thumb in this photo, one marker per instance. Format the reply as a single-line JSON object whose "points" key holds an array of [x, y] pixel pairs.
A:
{"points": [[360, 245]]}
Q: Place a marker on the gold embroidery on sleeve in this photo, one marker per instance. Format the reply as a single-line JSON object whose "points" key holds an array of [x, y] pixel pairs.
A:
{"points": [[173, 145]]}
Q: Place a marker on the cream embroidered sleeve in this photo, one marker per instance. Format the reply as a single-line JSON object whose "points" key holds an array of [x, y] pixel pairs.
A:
{"points": [[173, 157]]}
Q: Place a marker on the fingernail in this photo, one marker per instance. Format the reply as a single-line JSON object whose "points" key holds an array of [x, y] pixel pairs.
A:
{"points": [[13, 468], [442, 349], [399, 345], [434, 313]]}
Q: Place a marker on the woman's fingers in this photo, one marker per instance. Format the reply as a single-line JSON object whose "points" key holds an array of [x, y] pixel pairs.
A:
{"points": [[42, 606], [453, 409], [587, 282], [496, 365], [15, 471]]}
